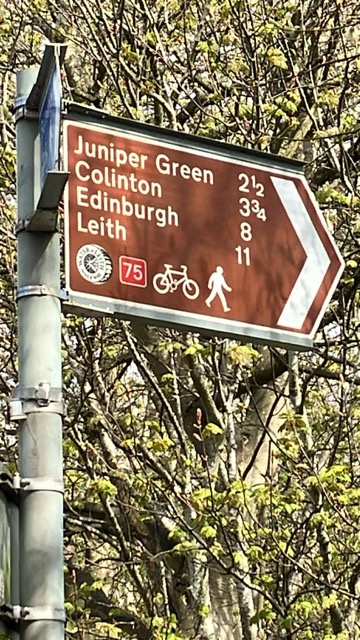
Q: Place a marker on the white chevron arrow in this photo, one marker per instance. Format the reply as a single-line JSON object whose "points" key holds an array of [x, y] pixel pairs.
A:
{"points": [[317, 260]]}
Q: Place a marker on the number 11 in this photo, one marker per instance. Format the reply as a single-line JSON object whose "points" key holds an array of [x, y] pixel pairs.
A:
{"points": [[243, 255]]}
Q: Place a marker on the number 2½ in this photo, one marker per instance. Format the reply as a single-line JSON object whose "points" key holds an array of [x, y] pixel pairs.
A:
{"points": [[247, 182]]}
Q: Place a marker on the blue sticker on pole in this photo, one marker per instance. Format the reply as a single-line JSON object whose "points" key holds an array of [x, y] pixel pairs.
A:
{"points": [[50, 115]]}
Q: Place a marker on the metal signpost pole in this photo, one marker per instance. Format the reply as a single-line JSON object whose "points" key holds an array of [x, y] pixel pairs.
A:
{"points": [[40, 381]]}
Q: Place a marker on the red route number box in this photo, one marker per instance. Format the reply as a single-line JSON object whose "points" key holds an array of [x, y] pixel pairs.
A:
{"points": [[133, 271]]}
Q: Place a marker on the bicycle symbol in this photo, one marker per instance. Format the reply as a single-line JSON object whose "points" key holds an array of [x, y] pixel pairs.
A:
{"points": [[171, 279]]}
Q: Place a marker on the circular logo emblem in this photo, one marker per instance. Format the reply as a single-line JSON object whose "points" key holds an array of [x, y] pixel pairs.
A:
{"points": [[94, 263]]}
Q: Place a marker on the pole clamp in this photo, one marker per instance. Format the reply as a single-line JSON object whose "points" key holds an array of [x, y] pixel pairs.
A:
{"points": [[18, 613], [41, 398], [41, 290], [42, 613], [38, 484]]}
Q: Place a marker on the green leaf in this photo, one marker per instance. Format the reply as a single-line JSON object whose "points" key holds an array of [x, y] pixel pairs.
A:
{"points": [[211, 429], [193, 349], [277, 58], [351, 263], [329, 601], [243, 355], [264, 614], [238, 557], [208, 531], [204, 610], [177, 534], [104, 487], [161, 444], [69, 608]]}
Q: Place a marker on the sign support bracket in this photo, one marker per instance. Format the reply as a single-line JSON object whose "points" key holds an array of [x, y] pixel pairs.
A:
{"points": [[45, 217]]}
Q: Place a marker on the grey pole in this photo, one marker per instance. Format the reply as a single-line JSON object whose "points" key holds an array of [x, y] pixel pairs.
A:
{"points": [[40, 382]]}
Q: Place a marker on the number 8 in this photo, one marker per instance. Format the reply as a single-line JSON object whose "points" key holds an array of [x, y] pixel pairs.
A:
{"points": [[245, 231]]}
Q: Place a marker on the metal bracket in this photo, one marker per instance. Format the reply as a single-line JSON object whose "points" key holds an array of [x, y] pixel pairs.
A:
{"points": [[21, 110], [42, 613], [24, 225], [18, 613], [45, 217], [16, 412], [19, 410], [38, 484], [41, 290], [42, 398]]}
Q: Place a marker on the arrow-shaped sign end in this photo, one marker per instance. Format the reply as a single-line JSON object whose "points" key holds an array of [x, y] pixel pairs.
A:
{"points": [[317, 260]]}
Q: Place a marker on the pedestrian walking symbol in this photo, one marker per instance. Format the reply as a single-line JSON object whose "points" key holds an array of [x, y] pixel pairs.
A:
{"points": [[218, 284]]}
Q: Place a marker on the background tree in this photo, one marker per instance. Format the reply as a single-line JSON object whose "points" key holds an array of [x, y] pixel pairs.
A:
{"points": [[212, 486]]}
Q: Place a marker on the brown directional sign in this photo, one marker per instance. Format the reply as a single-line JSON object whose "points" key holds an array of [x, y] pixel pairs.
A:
{"points": [[207, 238]]}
